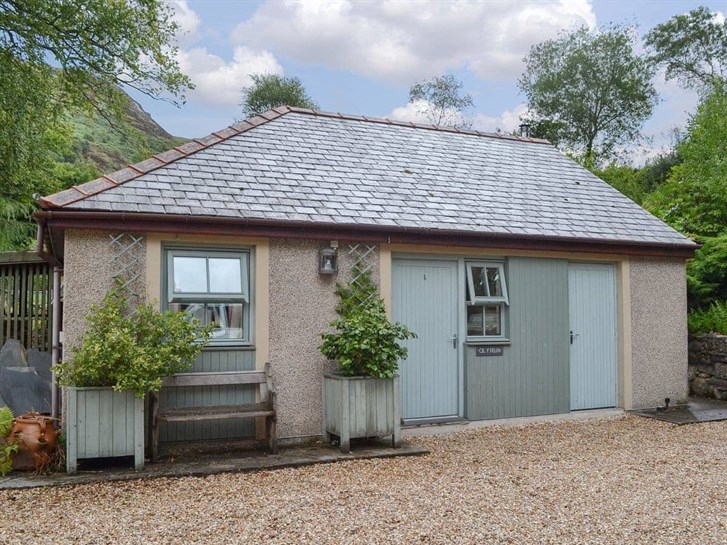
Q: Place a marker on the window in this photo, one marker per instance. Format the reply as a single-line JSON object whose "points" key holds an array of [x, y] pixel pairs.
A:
{"points": [[212, 286], [486, 300]]}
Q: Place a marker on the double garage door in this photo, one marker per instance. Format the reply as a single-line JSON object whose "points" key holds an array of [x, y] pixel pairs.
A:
{"points": [[428, 295]]}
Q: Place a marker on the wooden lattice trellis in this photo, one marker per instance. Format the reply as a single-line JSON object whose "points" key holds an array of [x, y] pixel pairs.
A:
{"points": [[365, 255], [127, 264]]}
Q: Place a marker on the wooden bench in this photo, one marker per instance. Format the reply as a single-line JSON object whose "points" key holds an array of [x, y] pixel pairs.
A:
{"points": [[266, 407]]}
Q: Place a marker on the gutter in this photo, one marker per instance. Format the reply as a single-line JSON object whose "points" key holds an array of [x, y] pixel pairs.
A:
{"points": [[215, 225]]}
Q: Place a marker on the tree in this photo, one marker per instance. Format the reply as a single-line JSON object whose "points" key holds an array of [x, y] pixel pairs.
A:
{"points": [[442, 102], [591, 87], [269, 91], [694, 198], [95, 45], [628, 180], [61, 56], [692, 48]]}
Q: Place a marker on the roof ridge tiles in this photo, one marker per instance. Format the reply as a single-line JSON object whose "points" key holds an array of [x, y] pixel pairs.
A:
{"points": [[131, 172]]}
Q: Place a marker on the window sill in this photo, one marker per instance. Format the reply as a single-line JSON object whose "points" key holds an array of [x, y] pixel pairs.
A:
{"points": [[229, 346], [488, 342]]}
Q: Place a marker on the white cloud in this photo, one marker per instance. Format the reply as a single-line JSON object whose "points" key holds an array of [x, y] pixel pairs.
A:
{"points": [[416, 112], [188, 22], [507, 122], [410, 112], [217, 81], [220, 82], [409, 41]]}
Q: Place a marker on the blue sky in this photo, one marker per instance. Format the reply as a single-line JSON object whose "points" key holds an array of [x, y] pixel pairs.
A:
{"points": [[361, 57]]}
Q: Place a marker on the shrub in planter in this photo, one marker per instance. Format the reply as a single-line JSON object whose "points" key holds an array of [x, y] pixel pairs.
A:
{"points": [[362, 399], [364, 342], [122, 356], [132, 350]]}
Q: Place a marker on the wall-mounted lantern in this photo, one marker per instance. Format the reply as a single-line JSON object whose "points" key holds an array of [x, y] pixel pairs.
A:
{"points": [[328, 259]]}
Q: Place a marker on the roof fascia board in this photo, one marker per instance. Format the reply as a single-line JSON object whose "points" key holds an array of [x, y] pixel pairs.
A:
{"points": [[160, 223]]}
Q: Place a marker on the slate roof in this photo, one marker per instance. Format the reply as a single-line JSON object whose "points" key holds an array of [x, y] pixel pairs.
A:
{"points": [[298, 165]]}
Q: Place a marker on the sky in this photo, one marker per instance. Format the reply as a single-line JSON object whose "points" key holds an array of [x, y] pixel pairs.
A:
{"points": [[361, 57]]}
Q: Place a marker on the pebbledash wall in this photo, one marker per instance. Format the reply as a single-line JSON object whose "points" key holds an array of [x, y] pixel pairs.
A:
{"points": [[293, 304]]}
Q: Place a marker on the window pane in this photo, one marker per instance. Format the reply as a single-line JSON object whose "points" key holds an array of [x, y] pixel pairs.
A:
{"points": [[478, 281], [225, 275], [474, 321], [493, 281], [227, 319], [492, 320], [190, 274], [193, 310]]}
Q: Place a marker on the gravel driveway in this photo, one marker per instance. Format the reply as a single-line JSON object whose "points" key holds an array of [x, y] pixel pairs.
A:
{"points": [[626, 480]]}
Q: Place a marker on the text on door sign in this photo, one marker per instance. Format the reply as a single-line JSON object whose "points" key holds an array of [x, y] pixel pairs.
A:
{"points": [[489, 350]]}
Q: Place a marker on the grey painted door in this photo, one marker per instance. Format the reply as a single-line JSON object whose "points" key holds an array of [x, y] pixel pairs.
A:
{"points": [[425, 298], [593, 358]]}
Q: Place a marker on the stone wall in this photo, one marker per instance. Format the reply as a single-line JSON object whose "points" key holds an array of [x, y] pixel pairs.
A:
{"points": [[708, 366]]}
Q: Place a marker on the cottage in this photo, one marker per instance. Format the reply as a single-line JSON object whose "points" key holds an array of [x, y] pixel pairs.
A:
{"points": [[534, 287]]}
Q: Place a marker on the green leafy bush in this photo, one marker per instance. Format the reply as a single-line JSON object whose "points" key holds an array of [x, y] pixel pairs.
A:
{"points": [[364, 342], [707, 272], [132, 350], [6, 451], [709, 320]]}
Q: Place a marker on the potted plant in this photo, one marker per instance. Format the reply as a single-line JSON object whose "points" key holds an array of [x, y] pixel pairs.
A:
{"points": [[122, 356], [362, 399]]}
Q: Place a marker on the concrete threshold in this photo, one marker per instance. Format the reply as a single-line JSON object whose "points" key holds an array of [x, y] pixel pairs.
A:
{"points": [[198, 461], [471, 425]]}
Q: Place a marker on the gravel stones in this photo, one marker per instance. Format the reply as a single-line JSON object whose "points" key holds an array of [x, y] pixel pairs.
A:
{"points": [[626, 480]]}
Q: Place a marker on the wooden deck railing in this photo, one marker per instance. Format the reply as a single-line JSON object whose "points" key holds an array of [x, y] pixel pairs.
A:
{"points": [[25, 300]]}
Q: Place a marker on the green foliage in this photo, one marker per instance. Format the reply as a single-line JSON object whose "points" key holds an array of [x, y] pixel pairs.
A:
{"points": [[628, 180], [656, 171], [692, 48], [98, 46], [364, 342], [269, 91], [6, 421], [98, 146], [6, 451], [132, 350], [591, 88], [707, 272], [694, 198], [442, 101], [58, 58], [710, 320]]}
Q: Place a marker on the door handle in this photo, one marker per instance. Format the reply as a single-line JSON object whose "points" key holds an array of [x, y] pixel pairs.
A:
{"points": [[573, 336], [454, 340]]}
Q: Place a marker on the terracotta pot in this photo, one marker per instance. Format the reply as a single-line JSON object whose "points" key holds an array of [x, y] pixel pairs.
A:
{"points": [[37, 439]]}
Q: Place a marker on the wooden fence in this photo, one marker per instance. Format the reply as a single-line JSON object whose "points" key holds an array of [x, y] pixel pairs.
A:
{"points": [[25, 300]]}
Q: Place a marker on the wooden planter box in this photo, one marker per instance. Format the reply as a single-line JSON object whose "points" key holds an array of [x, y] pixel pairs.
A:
{"points": [[357, 407], [102, 423]]}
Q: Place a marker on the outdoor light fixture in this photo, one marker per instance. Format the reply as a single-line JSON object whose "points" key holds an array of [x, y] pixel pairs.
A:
{"points": [[328, 259]]}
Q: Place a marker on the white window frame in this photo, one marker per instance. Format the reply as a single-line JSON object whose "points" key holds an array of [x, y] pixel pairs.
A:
{"points": [[475, 300], [241, 297]]}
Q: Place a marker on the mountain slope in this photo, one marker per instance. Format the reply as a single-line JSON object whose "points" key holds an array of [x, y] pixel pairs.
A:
{"points": [[109, 147]]}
